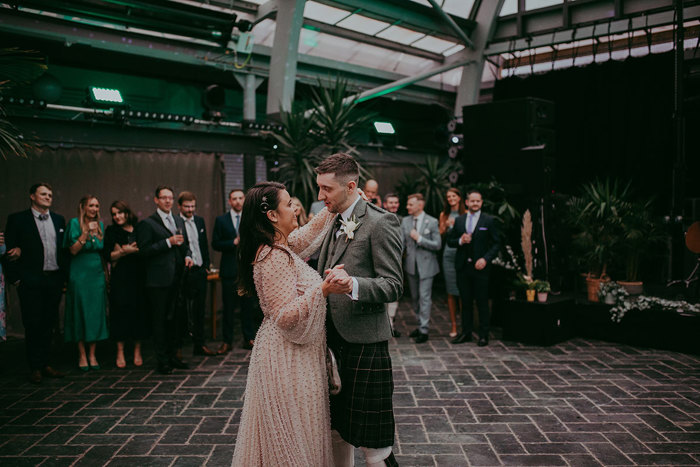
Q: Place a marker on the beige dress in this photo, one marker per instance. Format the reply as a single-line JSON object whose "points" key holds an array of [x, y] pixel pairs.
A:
{"points": [[286, 419]]}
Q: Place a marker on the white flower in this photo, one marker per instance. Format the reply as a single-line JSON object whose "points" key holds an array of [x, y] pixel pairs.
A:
{"points": [[348, 228]]}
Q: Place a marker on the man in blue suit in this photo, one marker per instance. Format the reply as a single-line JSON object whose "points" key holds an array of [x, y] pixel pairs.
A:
{"points": [[475, 235], [421, 242], [225, 239], [38, 266], [196, 280]]}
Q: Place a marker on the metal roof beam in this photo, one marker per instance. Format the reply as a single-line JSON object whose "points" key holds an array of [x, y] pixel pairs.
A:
{"points": [[404, 13]]}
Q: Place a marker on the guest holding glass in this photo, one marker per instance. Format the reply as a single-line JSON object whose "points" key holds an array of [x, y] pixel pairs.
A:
{"points": [[454, 207], [127, 314], [85, 314]]}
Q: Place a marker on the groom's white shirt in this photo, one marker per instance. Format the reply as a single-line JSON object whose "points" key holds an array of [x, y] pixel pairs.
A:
{"points": [[345, 215]]}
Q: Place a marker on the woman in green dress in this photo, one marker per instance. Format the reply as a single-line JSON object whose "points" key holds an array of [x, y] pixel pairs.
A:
{"points": [[86, 298]]}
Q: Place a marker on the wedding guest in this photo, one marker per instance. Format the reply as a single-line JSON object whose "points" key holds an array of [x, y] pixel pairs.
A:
{"points": [[37, 265], [299, 211], [454, 207], [85, 314], [128, 317]]}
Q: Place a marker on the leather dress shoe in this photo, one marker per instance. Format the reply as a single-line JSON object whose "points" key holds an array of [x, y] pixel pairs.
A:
{"points": [[248, 344], [395, 333], [224, 349], [51, 373], [414, 333], [35, 377], [203, 350], [461, 338], [421, 338], [179, 364], [165, 369], [483, 342]]}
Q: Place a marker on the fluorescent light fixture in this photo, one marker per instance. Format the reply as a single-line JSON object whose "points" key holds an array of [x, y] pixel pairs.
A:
{"points": [[384, 128], [104, 95]]}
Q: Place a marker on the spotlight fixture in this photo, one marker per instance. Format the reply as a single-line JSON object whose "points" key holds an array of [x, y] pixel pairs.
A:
{"points": [[384, 128], [268, 126], [104, 97]]}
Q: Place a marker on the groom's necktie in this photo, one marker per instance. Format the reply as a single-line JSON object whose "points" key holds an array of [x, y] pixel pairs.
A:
{"points": [[334, 237]]}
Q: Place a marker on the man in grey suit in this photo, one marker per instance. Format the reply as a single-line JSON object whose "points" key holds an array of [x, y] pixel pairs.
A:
{"points": [[367, 240], [421, 239]]}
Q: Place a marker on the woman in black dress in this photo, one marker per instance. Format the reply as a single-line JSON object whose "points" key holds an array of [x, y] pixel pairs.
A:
{"points": [[127, 313]]}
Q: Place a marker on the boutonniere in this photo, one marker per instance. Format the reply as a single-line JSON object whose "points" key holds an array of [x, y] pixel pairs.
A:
{"points": [[348, 227]]}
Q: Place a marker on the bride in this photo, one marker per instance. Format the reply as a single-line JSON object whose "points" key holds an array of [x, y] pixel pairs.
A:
{"points": [[285, 418]]}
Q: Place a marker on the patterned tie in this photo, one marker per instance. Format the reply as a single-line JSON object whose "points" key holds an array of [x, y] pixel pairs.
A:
{"points": [[43, 217]]}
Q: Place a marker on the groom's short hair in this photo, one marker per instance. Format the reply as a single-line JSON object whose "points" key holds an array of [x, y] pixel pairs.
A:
{"points": [[342, 165]]}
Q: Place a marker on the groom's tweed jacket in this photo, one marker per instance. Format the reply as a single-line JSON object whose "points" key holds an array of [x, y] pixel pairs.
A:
{"points": [[373, 257]]}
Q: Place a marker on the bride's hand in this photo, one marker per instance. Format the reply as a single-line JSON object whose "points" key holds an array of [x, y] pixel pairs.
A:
{"points": [[337, 281]]}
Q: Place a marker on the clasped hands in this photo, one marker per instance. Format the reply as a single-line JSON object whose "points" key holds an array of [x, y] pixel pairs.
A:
{"points": [[337, 281]]}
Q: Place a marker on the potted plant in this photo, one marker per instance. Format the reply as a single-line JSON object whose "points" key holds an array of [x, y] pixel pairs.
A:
{"points": [[641, 233], [543, 288], [611, 292], [597, 221]]}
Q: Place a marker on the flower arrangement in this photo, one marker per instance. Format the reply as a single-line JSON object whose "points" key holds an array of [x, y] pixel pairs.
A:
{"points": [[624, 303], [542, 286]]}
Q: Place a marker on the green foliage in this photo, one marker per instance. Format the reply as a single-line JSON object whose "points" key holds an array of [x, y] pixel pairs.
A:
{"points": [[433, 183], [309, 136], [17, 67], [496, 203], [542, 286], [597, 219]]}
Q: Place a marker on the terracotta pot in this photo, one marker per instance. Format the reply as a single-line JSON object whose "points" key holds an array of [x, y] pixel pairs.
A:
{"points": [[592, 286], [632, 288], [542, 296], [530, 294]]}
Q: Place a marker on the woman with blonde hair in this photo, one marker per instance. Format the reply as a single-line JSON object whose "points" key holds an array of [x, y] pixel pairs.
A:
{"points": [[454, 207], [299, 211], [85, 314]]}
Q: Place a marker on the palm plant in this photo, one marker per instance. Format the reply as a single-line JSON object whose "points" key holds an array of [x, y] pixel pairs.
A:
{"points": [[641, 232], [336, 116], [496, 203], [297, 154], [433, 183], [16, 67], [597, 217]]}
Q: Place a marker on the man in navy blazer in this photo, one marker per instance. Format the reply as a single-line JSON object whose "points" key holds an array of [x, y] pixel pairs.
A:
{"points": [[162, 242], [196, 283], [225, 239], [476, 238], [38, 266]]}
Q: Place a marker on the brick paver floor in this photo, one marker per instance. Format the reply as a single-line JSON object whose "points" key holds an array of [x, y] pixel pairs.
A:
{"points": [[580, 403]]}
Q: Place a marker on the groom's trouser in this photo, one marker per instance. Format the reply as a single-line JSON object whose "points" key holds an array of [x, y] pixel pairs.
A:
{"points": [[421, 294]]}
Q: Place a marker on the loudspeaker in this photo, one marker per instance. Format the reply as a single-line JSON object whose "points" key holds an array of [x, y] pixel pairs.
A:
{"points": [[513, 141]]}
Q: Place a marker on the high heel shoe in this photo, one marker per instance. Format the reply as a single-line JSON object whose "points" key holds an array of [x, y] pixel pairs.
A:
{"points": [[96, 366], [85, 368]]}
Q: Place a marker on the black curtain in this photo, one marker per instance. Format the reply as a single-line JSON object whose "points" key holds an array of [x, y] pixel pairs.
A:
{"points": [[612, 119]]}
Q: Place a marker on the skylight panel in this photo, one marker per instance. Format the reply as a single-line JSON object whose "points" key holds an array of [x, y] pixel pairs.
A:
{"points": [[535, 4], [460, 8], [400, 35], [510, 7], [453, 50], [363, 24], [324, 13], [433, 44]]}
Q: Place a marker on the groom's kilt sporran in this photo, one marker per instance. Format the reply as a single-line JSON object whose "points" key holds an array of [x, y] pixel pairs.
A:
{"points": [[363, 412]]}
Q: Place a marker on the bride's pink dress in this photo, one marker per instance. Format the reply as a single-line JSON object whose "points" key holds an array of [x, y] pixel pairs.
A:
{"points": [[286, 419]]}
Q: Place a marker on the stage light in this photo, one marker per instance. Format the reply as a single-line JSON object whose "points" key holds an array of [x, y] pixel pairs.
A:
{"points": [[105, 96], [384, 128]]}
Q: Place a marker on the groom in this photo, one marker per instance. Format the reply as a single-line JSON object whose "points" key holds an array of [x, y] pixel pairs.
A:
{"points": [[368, 243]]}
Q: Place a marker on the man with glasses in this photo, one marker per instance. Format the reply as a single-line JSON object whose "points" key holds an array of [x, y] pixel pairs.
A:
{"points": [[163, 243]]}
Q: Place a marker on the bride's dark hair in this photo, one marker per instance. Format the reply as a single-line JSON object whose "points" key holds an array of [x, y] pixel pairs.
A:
{"points": [[256, 230]]}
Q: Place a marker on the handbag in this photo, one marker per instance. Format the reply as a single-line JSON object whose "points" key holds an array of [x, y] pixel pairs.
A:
{"points": [[334, 383]]}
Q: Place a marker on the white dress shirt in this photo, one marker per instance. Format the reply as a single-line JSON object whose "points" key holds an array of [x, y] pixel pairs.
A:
{"points": [[475, 220], [47, 232], [193, 237]]}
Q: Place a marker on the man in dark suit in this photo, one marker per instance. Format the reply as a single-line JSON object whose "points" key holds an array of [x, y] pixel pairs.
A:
{"points": [[162, 241], [225, 239], [37, 265], [196, 282], [475, 236]]}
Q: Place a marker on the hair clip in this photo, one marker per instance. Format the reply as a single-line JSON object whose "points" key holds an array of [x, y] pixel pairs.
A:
{"points": [[264, 207]]}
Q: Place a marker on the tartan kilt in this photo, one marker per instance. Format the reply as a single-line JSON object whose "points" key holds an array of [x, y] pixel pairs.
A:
{"points": [[363, 412]]}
